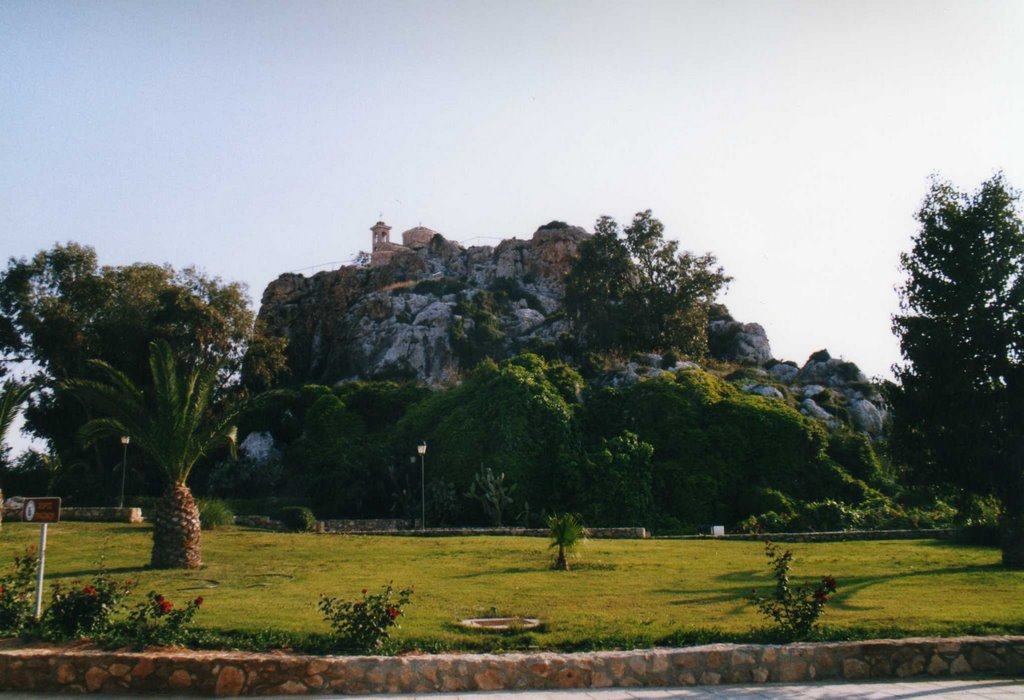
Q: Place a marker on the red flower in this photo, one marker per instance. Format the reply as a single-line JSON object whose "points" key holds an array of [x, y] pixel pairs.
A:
{"points": [[392, 612], [364, 591], [199, 601], [1, 591], [165, 607], [89, 590]]}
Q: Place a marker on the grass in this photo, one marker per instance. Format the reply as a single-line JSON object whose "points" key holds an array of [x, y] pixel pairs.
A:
{"points": [[620, 592]]}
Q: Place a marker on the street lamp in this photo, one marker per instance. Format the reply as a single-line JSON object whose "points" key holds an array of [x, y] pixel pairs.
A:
{"points": [[422, 449], [124, 465]]}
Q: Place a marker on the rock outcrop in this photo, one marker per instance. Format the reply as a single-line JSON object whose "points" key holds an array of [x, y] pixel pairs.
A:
{"points": [[403, 318], [429, 308]]}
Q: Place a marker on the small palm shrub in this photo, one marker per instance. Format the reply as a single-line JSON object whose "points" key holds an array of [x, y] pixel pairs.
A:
{"points": [[78, 611], [795, 611], [298, 519], [17, 590], [567, 533], [214, 513], [363, 626]]}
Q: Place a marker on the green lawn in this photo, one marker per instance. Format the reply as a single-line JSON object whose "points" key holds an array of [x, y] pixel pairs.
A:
{"points": [[619, 590]]}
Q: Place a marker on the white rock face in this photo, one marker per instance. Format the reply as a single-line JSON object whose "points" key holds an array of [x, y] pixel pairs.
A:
{"points": [[770, 392], [866, 416], [812, 390], [830, 372], [809, 408], [732, 340], [784, 373], [258, 446]]}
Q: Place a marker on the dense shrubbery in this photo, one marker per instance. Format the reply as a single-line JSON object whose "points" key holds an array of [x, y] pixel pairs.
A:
{"points": [[877, 514], [298, 518], [364, 626], [78, 611], [793, 610], [16, 591], [214, 513], [672, 453]]}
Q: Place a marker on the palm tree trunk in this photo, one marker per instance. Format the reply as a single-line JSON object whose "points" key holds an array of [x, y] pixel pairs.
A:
{"points": [[176, 531], [1012, 526], [561, 564]]}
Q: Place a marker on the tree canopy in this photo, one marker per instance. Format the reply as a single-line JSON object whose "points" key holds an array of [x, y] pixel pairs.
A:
{"points": [[60, 309], [637, 292], [959, 398]]}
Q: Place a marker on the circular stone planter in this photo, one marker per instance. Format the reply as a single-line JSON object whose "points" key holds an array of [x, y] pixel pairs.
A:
{"points": [[499, 624]]}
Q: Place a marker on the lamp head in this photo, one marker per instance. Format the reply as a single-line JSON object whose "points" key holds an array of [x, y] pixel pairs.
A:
{"points": [[125, 439], [421, 448]]}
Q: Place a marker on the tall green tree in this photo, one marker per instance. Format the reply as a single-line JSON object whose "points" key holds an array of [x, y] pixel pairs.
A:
{"points": [[170, 420], [60, 309], [958, 400], [638, 292]]}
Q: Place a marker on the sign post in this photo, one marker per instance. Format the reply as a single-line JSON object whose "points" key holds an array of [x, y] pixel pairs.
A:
{"points": [[43, 511]]}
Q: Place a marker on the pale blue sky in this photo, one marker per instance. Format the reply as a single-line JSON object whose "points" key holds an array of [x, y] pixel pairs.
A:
{"points": [[792, 139]]}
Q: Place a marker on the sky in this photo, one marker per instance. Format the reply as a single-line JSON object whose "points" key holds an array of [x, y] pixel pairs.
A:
{"points": [[794, 140]]}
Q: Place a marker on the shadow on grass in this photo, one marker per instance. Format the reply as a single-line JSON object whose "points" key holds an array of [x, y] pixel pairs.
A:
{"points": [[848, 585], [510, 570], [113, 571]]}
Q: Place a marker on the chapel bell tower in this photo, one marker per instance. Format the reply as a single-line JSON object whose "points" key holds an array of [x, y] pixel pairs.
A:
{"points": [[381, 234]]}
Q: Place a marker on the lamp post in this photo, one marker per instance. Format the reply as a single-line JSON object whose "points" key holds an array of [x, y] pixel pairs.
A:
{"points": [[124, 466], [422, 449]]}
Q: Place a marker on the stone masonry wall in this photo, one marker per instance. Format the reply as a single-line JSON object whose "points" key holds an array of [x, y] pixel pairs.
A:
{"points": [[612, 533], [79, 670], [100, 515], [828, 536]]}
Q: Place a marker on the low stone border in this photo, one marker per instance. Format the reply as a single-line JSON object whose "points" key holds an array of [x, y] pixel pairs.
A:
{"points": [[342, 527], [599, 533], [85, 514], [71, 669], [826, 536]]}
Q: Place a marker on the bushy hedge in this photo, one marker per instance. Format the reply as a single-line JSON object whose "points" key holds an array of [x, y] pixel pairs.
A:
{"points": [[671, 453]]}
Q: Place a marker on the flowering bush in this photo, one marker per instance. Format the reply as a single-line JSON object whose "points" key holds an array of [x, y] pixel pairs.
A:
{"points": [[16, 594], [84, 611], [794, 610], [156, 622], [363, 625]]}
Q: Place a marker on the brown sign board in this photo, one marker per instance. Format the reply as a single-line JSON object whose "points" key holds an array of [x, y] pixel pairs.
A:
{"points": [[41, 510]]}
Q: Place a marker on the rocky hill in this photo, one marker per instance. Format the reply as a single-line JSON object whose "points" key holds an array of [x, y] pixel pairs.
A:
{"points": [[430, 309]]}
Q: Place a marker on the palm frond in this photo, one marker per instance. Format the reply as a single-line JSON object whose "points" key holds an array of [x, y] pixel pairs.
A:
{"points": [[14, 394], [567, 531], [169, 421]]}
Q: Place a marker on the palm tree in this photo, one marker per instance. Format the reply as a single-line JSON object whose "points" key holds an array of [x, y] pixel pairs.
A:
{"points": [[170, 422], [567, 533], [13, 396]]}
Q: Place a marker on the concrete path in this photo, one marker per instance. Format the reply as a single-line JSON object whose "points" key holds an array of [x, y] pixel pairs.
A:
{"points": [[975, 689]]}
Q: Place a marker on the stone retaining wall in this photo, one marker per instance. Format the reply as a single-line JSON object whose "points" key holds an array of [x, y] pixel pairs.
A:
{"points": [[611, 533], [401, 528], [98, 515], [363, 525], [237, 673], [827, 536]]}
